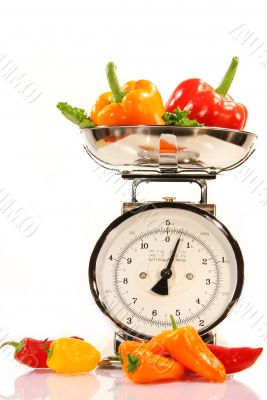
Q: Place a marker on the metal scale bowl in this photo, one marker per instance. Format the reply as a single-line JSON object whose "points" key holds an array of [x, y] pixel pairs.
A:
{"points": [[142, 149], [184, 250]]}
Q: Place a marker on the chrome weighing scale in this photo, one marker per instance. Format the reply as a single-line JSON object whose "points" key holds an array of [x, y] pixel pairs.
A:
{"points": [[166, 257]]}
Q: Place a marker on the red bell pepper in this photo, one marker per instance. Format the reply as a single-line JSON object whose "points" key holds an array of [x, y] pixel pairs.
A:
{"points": [[31, 352], [208, 106]]}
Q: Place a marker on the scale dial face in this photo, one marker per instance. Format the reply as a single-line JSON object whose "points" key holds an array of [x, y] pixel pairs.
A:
{"points": [[162, 259]]}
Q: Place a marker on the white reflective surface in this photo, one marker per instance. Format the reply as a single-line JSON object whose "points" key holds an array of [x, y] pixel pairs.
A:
{"points": [[20, 384]]}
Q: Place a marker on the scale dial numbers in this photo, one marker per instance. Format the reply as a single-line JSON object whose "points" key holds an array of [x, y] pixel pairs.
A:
{"points": [[193, 286], [166, 259]]}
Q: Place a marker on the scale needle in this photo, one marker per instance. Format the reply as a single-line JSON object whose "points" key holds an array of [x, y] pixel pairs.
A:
{"points": [[161, 287]]}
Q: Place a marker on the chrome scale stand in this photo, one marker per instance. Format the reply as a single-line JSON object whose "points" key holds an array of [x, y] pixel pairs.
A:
{"points": [[201, 181]]}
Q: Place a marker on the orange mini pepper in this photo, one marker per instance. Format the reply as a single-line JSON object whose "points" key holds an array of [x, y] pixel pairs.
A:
{"points": [[187, 347], [142, 366], [136, 103], [153, 346]]}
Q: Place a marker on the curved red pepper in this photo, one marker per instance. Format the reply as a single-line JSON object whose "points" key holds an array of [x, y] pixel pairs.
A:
{"points": [[236, 359], [211, 107]]}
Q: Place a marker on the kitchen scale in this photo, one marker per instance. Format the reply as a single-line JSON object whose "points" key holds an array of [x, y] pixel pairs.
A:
{"points": [[166, 257]]}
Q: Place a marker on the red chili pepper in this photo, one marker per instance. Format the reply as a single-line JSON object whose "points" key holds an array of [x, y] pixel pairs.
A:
{"points": [[208, 106], [31, 352], [236, 359]]}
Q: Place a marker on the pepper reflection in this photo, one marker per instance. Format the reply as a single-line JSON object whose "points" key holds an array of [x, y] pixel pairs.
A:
{"points": [[44, 384], [191, 389]]}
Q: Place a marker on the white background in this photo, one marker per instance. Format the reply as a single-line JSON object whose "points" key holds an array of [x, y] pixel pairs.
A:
{"points": [[63, 47]]}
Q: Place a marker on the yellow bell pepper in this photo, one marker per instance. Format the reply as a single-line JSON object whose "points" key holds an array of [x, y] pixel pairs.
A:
{"points": [[72, 355]]}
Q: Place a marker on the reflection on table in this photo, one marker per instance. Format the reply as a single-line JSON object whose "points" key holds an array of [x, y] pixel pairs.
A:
{"points": [[113, 385]]}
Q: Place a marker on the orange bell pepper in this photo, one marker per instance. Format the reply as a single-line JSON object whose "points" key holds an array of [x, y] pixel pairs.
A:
{"points": [[136, 103], [187, 347], [142, 366]]}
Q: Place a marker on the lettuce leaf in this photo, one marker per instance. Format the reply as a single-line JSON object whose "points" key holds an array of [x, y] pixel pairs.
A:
{"points": [[179, 118], [76, 115]]}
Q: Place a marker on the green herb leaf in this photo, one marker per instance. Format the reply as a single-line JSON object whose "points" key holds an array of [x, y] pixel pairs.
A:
{"points": [[133, 362], [179, 118], [76, 115]]}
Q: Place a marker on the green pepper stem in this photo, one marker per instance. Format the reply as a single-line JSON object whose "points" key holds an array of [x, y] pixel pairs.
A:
{"points": [[44, 346], [133, 362], [174, 325], [14, 344], [227, 80], [113, 82], [49, 351]]}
